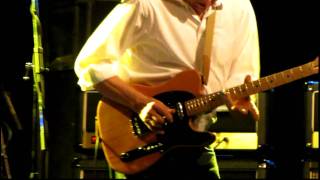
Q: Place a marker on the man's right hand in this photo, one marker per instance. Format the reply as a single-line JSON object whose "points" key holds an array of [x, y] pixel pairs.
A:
{"points": [[155, 115]]}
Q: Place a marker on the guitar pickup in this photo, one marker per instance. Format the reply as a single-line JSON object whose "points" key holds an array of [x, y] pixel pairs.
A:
{"points": [[139, 128], [142, 151]]}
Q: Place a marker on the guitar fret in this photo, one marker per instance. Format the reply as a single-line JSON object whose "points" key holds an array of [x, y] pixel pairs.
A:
{"points": [[307, 68], [246, 88], [211, 98], [301, 69], [257, 85], [250, 87], [287, 75], [206, 100], [190, 105], [240, 91], [260, 86], [297, 71], [282, 75], [242, 88], [270, 80], [292, 73], [234, 91], [277, 79], [230, 92], [201, 102], [198, 103], [264, 83]]}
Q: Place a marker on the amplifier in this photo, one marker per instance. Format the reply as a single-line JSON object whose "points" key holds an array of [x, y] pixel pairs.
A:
{"points": [[311, 114], [85, 168], [89, 103], [88, 167], [241, 168], [240, 134]]}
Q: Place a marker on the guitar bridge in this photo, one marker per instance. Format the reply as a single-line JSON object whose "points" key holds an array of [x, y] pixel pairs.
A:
{"points": [[142, 151]]}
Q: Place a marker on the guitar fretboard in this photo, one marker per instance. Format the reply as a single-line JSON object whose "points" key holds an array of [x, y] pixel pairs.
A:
{"points": [[208, 102]]}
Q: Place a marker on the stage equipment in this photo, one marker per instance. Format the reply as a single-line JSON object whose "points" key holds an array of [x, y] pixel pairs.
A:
{"points": [[311, 110], [39, 154], [89, 101], [240, 134], [311, 161], [86, 168], [242, 168]]}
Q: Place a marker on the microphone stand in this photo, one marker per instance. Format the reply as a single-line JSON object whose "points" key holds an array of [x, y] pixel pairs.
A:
{"points": [[39, 169]]}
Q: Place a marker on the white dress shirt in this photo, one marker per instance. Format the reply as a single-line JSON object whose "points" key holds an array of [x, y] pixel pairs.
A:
{"points": [[150, 41]]}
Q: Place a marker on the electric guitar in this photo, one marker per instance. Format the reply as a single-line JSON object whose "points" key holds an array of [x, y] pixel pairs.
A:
{"points": [[130, 147]]}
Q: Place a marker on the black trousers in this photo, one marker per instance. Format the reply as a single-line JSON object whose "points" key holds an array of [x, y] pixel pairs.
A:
{"points": [[183, 163]]}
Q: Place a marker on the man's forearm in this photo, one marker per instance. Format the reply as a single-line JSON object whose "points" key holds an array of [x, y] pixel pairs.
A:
{"points": [[121, 92]]}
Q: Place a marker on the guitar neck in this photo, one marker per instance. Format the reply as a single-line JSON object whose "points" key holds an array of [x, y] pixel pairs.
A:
{"points": [[206, 103]]}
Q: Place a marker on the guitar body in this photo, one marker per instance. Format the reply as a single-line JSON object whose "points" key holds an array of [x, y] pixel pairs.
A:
{"points": [[119, 135], [130, 147]]}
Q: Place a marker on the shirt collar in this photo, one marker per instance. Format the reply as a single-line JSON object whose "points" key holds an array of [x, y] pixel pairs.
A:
{"points": [[217, 5]]}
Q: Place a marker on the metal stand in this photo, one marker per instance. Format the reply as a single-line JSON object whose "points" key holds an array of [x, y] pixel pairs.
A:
{"points": [[39, 169]]}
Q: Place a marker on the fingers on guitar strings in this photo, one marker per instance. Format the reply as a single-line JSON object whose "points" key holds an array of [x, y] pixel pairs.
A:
{"points": [[151, 122], [156, 123], [154, 126]]}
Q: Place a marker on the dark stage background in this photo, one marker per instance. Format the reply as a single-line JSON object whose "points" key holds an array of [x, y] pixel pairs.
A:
{"points": [[288, 37]]}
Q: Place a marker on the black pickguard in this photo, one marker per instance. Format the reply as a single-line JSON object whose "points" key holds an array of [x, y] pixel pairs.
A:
{"points": [[177, 134]]}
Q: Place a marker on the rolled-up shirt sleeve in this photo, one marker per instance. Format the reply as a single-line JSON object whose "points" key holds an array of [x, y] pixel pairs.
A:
{"points": [[101, 53]]}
